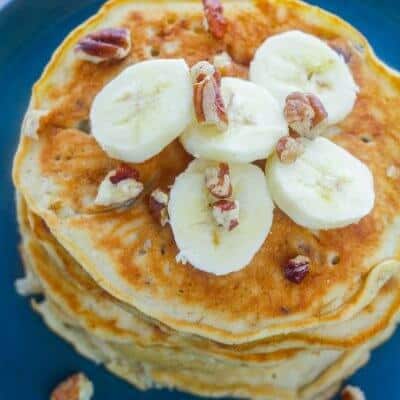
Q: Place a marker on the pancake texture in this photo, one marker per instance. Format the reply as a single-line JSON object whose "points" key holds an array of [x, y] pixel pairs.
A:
{"points": [[147, 365], [75, 289], [111, 281]]}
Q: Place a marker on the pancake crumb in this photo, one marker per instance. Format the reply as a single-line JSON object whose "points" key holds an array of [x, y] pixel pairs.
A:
{"points": [[29, 285]]}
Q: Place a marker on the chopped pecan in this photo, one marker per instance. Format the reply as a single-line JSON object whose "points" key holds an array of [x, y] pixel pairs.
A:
{"points": [[214, 14], [123, 172], [305, 113], [119, 187], [297, 268], [207, 97], [289, 149], [226, 213], [352, 393], [218, 181], [203, 70], [76, 387], [106, 44], [158, 203]]}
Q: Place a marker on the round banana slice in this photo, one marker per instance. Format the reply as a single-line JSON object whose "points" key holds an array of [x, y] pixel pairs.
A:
{"points": [[200, 241], [256, 123], [143, 109], [298, 62], [325, 188]]}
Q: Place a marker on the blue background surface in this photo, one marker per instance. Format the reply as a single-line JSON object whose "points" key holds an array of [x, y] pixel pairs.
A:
{"points": [[32, 359]]}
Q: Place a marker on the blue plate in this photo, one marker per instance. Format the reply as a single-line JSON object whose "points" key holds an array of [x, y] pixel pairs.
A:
{"points": [[33, 359]]}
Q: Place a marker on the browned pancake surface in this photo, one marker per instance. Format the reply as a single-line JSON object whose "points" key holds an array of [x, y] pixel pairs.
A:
{"points": [[74, 160]]}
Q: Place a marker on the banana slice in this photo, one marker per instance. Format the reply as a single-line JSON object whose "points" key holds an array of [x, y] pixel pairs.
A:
{"points": [[200, 241], [325, 188], [255, 125], [298, 62], [136, 115]]}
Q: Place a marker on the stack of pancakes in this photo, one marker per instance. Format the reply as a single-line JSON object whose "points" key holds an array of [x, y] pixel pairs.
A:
{"points": [[110, 281]]}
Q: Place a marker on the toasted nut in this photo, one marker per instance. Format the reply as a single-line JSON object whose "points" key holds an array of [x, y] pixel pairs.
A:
{"points": [[158, 203], [289, 149], [297, 268], [226, 214], [305, 114], [106, 44], [31, 123], [352, 393], [124, 172], [218, 181], [208, 102], [202, 70], [320, 114], [119, 187], [76, 387], [216, 22]]}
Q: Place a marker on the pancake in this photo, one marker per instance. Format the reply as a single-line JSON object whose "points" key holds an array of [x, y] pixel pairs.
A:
{"points": [[75, 293], [272, 378], [58, 175], [145, 376]]}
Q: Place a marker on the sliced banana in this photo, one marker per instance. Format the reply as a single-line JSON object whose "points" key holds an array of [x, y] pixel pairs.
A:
{"points": [[255, 125], [298, 62], [325, 188], [200, 241], [143, 109]]}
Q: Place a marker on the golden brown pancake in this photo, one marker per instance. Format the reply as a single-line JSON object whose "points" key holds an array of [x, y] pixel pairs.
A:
{"points": [[60, 173], [77, 294], [303, 376], [146, 375]]}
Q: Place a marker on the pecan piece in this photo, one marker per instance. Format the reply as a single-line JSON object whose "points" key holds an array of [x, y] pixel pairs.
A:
{"points": [[218, 181], [207, 97], [297, 268], [119, 187], [215, 20], [158, 203], [106, 44], [123, 172], [203, 70], [305, 114], [289, 149], [76, 387], [352, 393], [226, 213]]}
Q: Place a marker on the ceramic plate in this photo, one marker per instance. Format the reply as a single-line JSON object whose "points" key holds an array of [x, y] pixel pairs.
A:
{"points": [[32, 358]]}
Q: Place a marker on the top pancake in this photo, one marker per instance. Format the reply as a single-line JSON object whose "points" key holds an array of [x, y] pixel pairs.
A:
{"points": [[59, 175]]}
